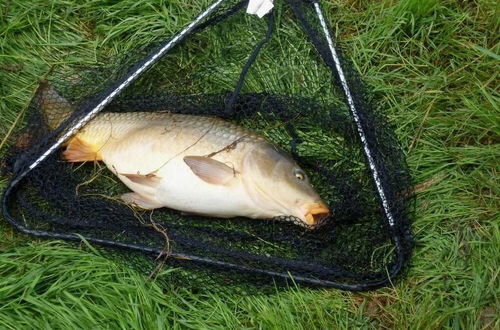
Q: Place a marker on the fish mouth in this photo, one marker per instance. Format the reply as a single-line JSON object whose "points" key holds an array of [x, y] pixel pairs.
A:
{"points": [[316, 213]]}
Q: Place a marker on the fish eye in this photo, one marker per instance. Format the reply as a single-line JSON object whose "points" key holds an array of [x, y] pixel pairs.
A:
{"points": [[299, 174]]}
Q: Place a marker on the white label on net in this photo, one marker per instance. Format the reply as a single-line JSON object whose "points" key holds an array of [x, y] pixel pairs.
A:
{"points": [[259, 7]]}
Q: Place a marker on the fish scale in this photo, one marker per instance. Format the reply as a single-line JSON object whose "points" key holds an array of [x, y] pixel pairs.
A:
{"points": [[213, 133]]}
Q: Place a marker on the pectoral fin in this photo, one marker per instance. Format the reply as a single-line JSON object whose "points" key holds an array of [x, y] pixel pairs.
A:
{"points": [[148, 180], [140, 201], [210, 170]]}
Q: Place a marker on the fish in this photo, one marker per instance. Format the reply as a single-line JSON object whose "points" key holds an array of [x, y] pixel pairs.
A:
{"points": [[195, 164]]}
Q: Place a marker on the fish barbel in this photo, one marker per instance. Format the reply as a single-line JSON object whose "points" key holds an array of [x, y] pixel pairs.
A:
{"points": [[195, 164]]}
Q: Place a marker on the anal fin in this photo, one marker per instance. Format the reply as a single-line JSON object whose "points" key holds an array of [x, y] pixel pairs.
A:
{"points": [[79, 151], [140, 201]]}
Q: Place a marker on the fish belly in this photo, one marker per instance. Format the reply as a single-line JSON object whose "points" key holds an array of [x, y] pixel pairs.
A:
{"points": [[184, 191]]}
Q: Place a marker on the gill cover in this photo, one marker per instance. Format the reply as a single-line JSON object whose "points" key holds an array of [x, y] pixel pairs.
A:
{"points": [[277, 183]]}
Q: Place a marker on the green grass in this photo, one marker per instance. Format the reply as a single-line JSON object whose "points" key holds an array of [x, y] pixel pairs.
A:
{"points": [[431, 65]]}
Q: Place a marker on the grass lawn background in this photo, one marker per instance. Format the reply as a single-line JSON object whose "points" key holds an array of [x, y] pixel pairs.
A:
{"points": [[433, 66]]}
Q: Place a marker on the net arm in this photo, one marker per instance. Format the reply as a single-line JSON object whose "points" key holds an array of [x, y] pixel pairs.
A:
{"points": [[121, 85], [354, 112]]}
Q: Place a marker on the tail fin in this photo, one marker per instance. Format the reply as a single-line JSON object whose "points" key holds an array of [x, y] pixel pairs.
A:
{"points": [[54, 108]]}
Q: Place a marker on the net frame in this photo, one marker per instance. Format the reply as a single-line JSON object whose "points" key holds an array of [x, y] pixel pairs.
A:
{"points": [[400, 234]]}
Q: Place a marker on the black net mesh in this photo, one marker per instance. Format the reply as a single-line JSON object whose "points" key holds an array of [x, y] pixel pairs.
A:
{"points": [[354, 249]]}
